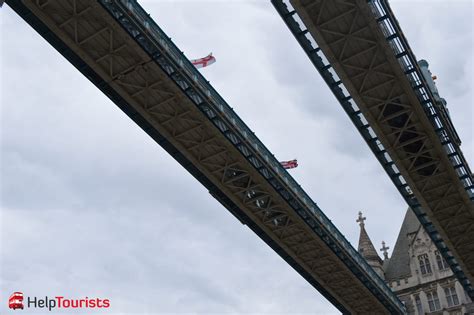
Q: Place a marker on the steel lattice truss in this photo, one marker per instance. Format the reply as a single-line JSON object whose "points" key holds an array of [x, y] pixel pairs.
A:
{"points": [[120, 49], [359, 49]]}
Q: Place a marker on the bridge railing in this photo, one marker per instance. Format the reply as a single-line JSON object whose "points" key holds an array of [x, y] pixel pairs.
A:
{"points": [[310, 46], [408, 63], [260, 157], [407, 60]]}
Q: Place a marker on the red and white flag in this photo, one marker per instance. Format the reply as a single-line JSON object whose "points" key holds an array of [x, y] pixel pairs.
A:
{"points": [[204, 62], [289, 164]]}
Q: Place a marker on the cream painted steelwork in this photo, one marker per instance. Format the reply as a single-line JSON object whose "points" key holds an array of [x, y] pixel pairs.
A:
{"points": [[361, 52], [127, 56]]}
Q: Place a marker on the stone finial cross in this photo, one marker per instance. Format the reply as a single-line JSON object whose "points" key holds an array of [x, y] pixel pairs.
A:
{"points": [[361, 219], [384, 250]]}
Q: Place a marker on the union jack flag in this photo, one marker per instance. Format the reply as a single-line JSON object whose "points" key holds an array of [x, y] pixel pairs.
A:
{"points": [[204, 62], [289, 164]]}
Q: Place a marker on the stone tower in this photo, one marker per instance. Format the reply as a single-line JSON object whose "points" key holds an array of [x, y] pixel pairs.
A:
{"points": [[416, 272], [367, 249]]}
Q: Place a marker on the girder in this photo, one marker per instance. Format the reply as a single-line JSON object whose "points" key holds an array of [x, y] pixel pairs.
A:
{"points": [[117, 46], [359, 49]]}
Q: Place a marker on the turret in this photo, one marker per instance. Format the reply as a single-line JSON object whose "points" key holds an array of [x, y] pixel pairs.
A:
{"points": [[440, 102], [367, 249], [429, 78]]}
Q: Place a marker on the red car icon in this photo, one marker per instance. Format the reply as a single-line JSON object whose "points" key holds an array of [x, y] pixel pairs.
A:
{"points": [[16, 300]]}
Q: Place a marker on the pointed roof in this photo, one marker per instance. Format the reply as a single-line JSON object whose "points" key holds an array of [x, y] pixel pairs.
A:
{"points": [[398, 266], [366, 248]]}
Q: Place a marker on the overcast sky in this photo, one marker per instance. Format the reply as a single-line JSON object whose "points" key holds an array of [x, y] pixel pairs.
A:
{"points": [[91, 206]]}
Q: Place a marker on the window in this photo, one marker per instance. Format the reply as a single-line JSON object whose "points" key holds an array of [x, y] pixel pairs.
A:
{"points": [[433, 301], [425, 266], [442, 264], [419, 307], [451, 296]]}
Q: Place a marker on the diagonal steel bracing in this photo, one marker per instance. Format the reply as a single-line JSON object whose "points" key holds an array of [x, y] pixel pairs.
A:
{"points": [[126, 55], [388, 101]]}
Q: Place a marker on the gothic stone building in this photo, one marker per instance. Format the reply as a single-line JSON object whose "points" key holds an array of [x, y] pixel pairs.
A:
{"points": [[416, 272]]}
